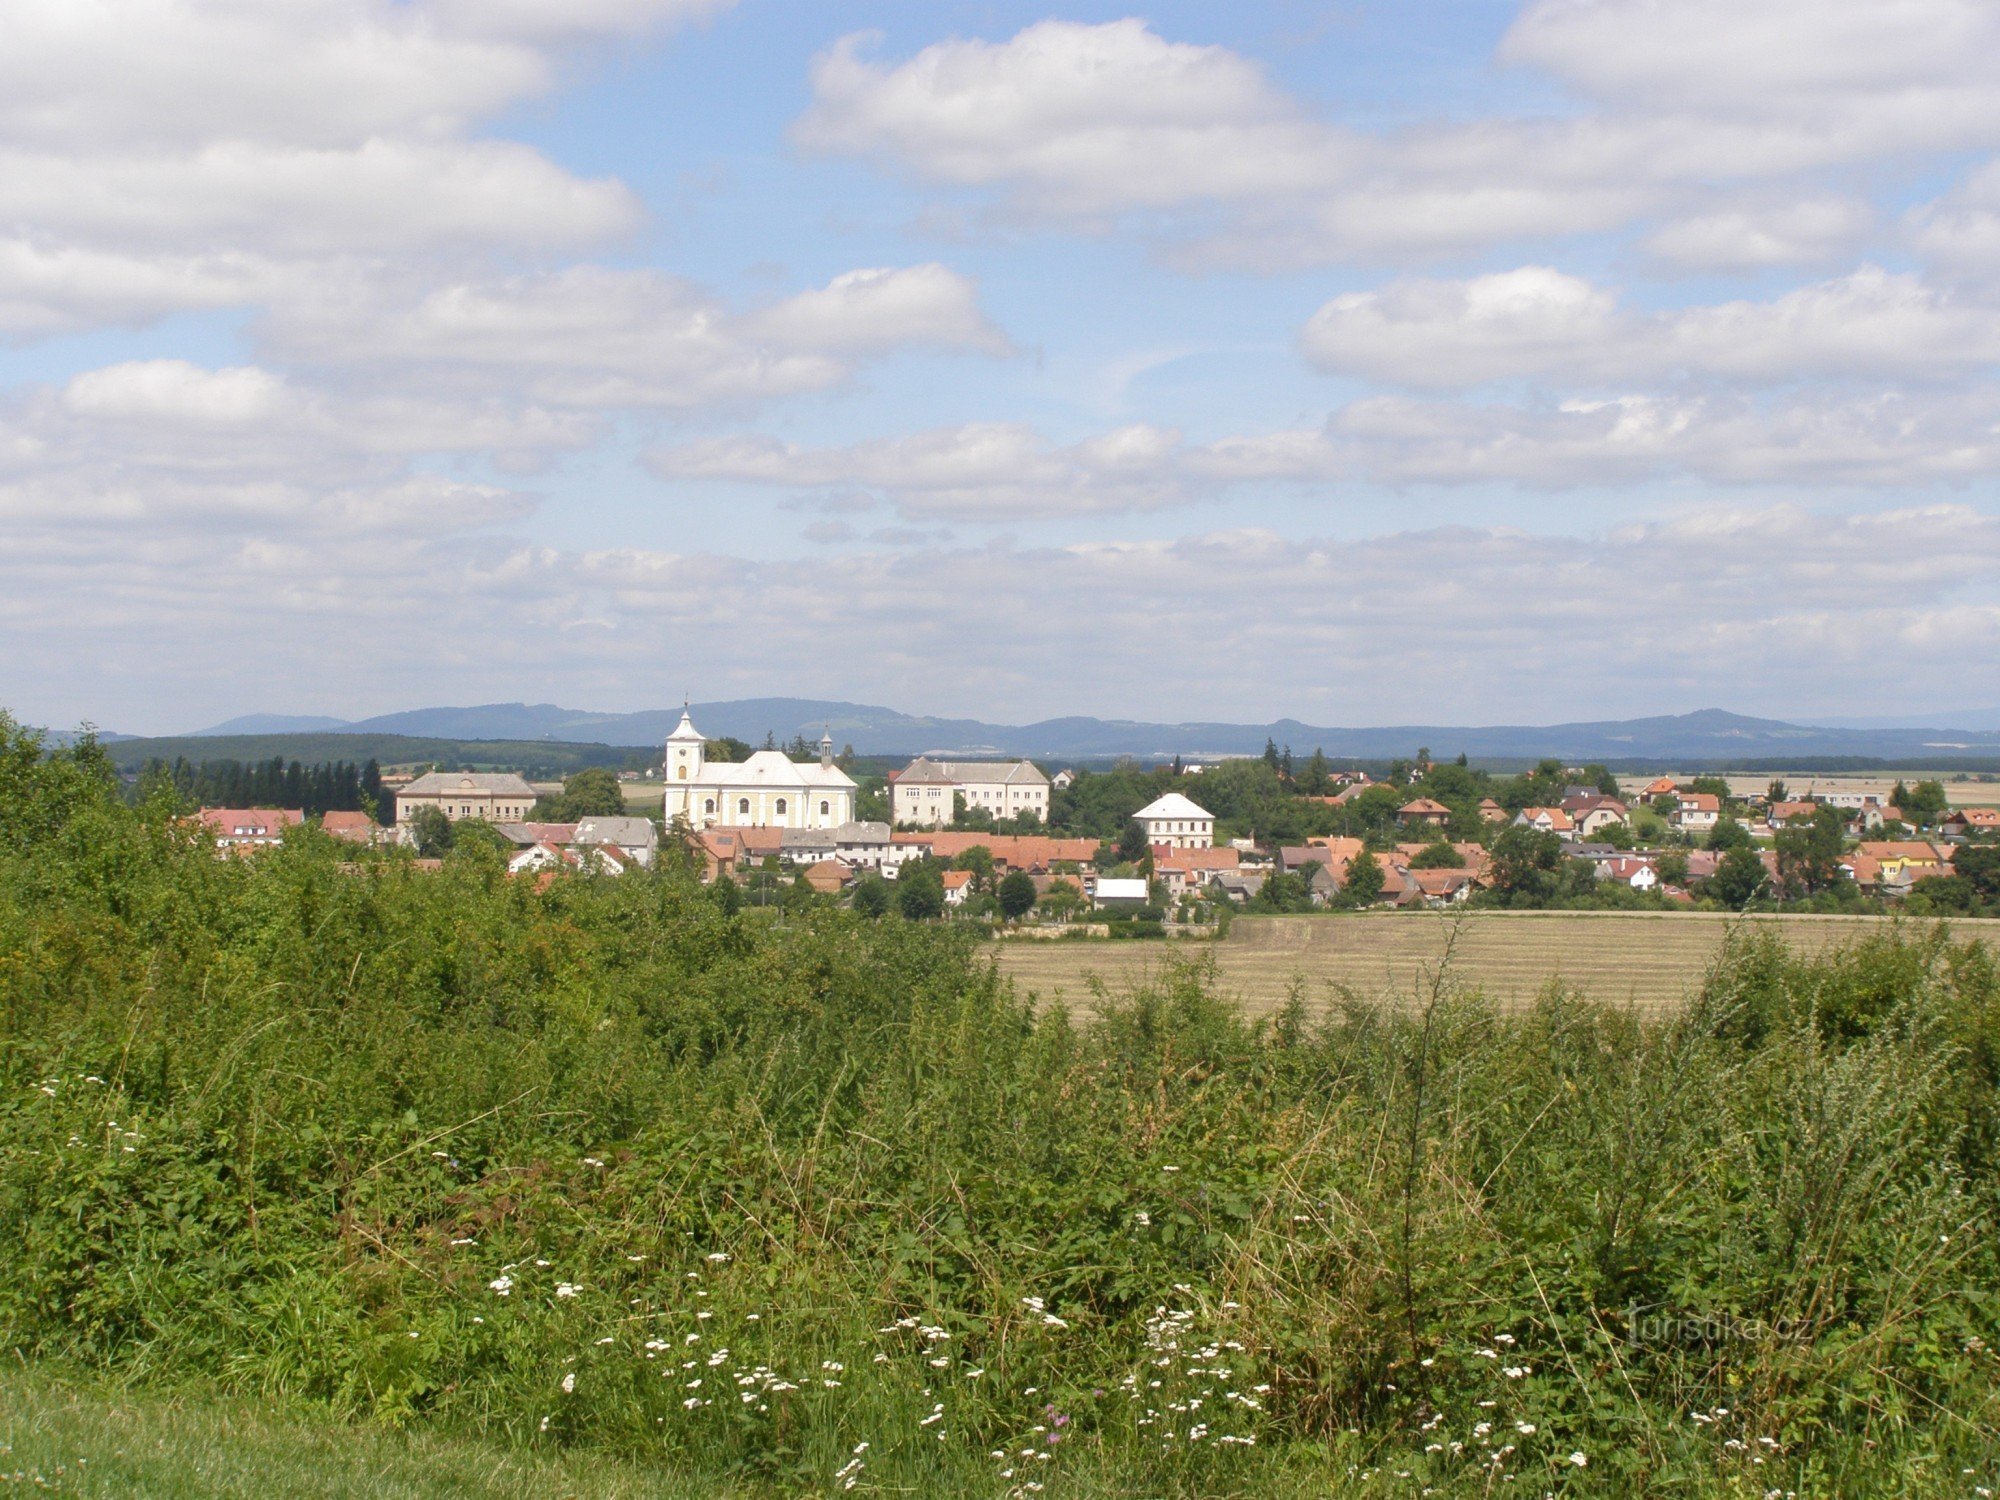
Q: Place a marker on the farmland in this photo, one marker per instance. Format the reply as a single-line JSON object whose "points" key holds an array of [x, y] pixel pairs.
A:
{"points": [[1650, 960]]}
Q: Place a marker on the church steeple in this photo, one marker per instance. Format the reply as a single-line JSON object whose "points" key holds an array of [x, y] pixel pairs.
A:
{"points": [[826, 747], [686, 750]]}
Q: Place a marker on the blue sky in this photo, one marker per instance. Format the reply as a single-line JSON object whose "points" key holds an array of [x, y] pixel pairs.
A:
{"points": [[1358, 362]]}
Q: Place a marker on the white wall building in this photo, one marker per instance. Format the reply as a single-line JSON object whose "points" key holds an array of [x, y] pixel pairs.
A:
{"points": [[769, 790], [1177, 823], [925, 791]]}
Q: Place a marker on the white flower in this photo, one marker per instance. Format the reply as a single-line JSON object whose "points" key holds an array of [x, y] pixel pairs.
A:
{"points": [[719, 1256], [1578, 1459], [566, 1289], [501, 1285], [569, 1382]]}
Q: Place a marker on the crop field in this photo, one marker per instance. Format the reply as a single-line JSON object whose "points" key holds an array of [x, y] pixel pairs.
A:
{"points": [[1646, 959]]}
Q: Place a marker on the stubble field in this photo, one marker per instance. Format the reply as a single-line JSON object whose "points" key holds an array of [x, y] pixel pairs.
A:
{"points": [[1650, 960]]}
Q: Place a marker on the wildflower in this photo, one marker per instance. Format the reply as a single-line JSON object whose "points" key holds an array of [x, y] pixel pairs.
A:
{"points": [[1578, 1459], [1524, 1428], [569, 1382], [545, 1424], [566, 1289], [718, 1256], [500, 1285], [1515, 1372]]}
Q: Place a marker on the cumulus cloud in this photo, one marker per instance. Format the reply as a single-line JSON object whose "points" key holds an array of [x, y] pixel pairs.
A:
{"points": [[591, 336], [1095, 122], [1538, 322]]}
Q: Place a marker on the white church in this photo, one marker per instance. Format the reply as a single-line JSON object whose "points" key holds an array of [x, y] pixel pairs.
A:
{"points": [[769, 790]]}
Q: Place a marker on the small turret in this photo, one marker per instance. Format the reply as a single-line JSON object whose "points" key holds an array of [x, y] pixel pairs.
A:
{"points": [[826, 746]]}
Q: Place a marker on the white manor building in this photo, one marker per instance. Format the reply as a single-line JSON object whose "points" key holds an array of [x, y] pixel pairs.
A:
{"points": [[925, 792], [1177, 823], [769, 790]]}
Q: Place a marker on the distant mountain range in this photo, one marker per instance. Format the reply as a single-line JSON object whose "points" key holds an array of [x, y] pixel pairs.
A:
{"points": [[1705, 736]]}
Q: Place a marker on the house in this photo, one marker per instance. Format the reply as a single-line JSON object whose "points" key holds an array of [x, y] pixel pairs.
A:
{"points": [[957, 886], [492, 796], [1629, 869], [1778, 814], [1240, 885], [1659, 787], [353, 828], [1439, 887], [1119, 893], [521, 835], [1593, 812], [1185, 870], [1033, 852], [1063, 780], [1965, 822], [636, 839], [1695, 812], [1894, 865], [828, 876], [769, 790], [1545, 820], [1423, 813], [1175, 821], [1491, 811], [552, 859], [926, 792], [236, 829]]}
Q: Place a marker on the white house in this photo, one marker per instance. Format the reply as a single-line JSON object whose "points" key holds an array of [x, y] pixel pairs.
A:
{"points": [[1177, 823], [634, 838], [924, 793], [1120, 892], [769, 790]]}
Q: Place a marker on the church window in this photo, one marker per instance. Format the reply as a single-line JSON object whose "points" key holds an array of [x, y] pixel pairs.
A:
{"points": [[708, 805], [825, 808], [682, 773], [781, 807], [743, 807]]}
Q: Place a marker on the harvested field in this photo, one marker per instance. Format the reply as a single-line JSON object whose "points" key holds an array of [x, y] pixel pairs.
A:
{"points": [[1645, 959]]}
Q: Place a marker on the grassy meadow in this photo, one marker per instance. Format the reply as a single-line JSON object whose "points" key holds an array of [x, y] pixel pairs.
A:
{"points": [[390, 1181]]}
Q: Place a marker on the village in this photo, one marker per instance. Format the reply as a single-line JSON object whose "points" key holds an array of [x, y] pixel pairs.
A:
{"points": [[993, 838]]}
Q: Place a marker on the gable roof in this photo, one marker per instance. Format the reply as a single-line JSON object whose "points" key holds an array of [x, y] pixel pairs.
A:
{"points": [[444, 783], [923, 771]]}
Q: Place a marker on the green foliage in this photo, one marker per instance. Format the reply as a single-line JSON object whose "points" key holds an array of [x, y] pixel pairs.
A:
{"points": [[433, 831], [1727, 834], [919, 892], [1017, 895], [1363, 886], [1437, 856], [485, 1159], [591, 793], [1924, 804], [872, 895], [1809, 854], [1739, 879]]}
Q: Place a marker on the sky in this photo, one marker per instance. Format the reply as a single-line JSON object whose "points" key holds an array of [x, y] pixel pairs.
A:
{"points": [[1368, 362]]}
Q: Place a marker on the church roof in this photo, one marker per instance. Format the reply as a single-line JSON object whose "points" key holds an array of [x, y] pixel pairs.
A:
{"points": [[685, 730], [771, 768]]}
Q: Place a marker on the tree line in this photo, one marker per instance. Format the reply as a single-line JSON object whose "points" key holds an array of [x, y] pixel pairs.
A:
{"points": [[328, 786]]}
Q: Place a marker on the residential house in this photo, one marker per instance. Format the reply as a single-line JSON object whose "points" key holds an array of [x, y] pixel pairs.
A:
{"points": [[1629, 869], [1184, 870], [1177, 822], [1968, 822], [1545, 820], [828, 876], [769, 790], [1491, 811], [925, 793], [636, 839], [354, 828], [1439, 887], [1032, 852], [493, 796], [1659, 787], [1778, 814], [1593, 812], [1696, 812], [1892, 866], [1423, 813], [1063, 780], [545, 858], [238, 829]]}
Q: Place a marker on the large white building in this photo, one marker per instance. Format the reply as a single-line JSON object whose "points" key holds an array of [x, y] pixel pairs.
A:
{"points": [[924, 793], [1177, 823], [769, 790]]}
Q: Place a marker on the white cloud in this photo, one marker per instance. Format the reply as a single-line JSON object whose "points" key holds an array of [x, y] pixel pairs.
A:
{"points": [[1961, 230], [1377, 628], [1755, 236], [1072, 118], [590, 336], [1537, 322], [981, 471]]}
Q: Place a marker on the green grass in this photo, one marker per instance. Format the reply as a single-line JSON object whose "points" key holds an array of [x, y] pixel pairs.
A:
{"points": [[84, 1438]]}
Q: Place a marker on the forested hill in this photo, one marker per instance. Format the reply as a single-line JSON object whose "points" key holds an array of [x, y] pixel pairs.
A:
{"points": [[530, 757]]}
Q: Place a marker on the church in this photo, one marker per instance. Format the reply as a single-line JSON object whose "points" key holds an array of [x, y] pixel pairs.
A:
{"points": [[769, 790]]}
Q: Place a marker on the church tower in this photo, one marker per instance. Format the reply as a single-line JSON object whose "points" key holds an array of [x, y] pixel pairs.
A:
{"points": [[685, 751]]}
